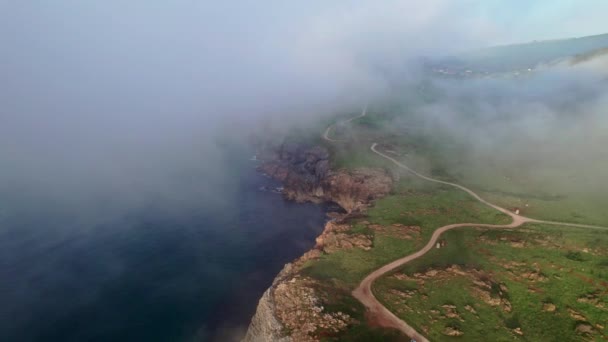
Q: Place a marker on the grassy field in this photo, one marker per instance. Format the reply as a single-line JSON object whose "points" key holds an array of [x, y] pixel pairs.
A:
{"points": [[537, 283], [556, 182], [550, 282], [398, 225], [414, 203]]}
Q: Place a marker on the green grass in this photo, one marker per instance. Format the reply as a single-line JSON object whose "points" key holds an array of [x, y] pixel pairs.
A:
{"points": [[414, 204], [557, 253], [553, 188], [562, 176], [355, 152], [431, 207]]}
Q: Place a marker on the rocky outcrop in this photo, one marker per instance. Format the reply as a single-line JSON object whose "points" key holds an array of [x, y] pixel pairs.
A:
{"points": [[306, 176], [291, 309], [265, 325], [335, 237]]}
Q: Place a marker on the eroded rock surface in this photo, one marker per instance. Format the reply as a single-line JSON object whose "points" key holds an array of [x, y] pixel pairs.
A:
{"points": [[291, 309], [336, 237], [306, 176]]}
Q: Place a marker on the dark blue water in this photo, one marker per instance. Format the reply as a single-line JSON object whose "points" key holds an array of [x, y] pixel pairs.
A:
{"points": [[151, 274]]}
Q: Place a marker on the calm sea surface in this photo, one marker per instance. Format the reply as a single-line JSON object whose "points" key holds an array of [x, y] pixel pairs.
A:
{"points": [[152, 274]]}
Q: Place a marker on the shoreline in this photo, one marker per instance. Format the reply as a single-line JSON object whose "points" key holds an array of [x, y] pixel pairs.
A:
{"points": [[352, 192]]}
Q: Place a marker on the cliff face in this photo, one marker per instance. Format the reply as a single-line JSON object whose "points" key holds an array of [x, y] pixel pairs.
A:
{"points": [[265, 326], [290, 309], [306, 176]]}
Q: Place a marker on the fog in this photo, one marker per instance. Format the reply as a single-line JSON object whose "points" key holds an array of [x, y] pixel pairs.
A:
{"points": [[535, 138], [106, 102], [109, 107]]}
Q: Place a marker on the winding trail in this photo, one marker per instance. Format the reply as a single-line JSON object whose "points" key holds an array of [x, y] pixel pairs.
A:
{"points": [[378, 312], [328, 130]]}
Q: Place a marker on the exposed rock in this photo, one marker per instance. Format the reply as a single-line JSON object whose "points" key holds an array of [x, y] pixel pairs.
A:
{"points": [[452, 312], [310, 255], [482, 290], [335, 237], [306, 176], [517, 244], [591, 299], [549, 307], [482, 284], [431, 273], [290, 309], [512, 265], [299, 308], [584, 329], [265, 326], [577, 316], [402, 294], [534, 276], [456, 270], [450, 331]]}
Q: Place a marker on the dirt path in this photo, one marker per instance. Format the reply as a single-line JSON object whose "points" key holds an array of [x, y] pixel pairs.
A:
{"points": [[378, 312], [363, 292], [328, 130]]}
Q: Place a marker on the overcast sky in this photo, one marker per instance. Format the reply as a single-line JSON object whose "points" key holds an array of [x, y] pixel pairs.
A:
{"points": [[521, 20]]}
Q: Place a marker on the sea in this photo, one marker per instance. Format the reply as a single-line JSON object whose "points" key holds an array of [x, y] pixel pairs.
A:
{"points": [[151, 274]]}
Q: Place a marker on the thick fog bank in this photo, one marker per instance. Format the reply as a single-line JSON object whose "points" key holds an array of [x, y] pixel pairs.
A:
{"points": [[107, 105]]}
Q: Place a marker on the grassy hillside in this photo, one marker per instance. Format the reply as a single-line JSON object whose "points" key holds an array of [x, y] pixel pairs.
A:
{"points": [[538, 283], [529, 55], [586, 57], [541, 154], [559, 175], [397, 225]]}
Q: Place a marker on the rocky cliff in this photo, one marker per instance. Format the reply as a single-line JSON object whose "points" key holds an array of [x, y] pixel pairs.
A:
{"points": [[306, 176], [291, 310]]}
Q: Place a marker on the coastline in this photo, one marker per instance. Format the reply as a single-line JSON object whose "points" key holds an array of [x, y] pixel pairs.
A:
{"points": [[306, 177]]}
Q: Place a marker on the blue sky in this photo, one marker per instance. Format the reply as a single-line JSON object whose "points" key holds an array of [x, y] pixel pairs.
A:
{"points": [[524, 20]]}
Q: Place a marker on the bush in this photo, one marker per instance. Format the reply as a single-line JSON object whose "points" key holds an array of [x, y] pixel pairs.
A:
{"points": [[576, 256], [513, 322]]}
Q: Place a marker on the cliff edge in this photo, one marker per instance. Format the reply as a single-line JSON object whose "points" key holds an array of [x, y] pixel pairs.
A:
{"points": [[291, 309], [306, 176]]}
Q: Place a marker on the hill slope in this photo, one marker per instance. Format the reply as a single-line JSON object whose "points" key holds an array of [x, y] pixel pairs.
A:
{"points": [[528, 55]]}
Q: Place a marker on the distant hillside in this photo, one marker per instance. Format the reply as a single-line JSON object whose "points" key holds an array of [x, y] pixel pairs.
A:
{"points": [[586, 57], [528, 55]]}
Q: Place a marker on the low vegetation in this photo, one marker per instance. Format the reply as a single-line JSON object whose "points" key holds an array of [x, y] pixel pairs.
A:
{"points": [[561, 183], [398, 225], [538, 283]]}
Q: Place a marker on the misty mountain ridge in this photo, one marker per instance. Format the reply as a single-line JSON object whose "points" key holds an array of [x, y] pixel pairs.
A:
{"points": [[530, 55]]}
